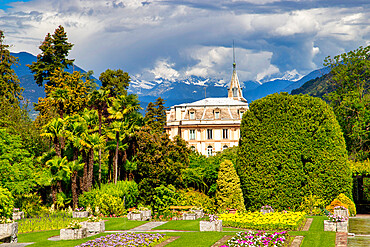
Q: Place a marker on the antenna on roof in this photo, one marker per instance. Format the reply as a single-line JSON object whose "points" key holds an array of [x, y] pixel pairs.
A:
{"points": [[234, 64], [205, 92]]}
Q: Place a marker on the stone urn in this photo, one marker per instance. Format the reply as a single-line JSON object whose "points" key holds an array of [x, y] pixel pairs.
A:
{"points": [[71, 234], [330, 226], [94, 227], [210, 226], [147, 214], [80, 214], [10, 230], [189, 216], [342, 226], [134, 216]]}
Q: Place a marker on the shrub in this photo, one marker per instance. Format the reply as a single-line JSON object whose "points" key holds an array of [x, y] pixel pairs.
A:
{"points": [[190, 197], [312, 205], [6, 203], [164, 198], [290, 146], [344, 201], [124, 193], [228, 193]]}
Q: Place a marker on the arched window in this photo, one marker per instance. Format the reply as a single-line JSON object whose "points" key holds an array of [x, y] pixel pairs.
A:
{"points": [[209, 151], [224, 147], [192, 148]]}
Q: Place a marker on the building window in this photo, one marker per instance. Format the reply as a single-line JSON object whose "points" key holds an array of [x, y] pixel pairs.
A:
{"points": [[224, 147], [235, 92], [192, 134], [217, 115], [225, 134], [209, 133], [192, 115], [241, 114], [209, 151], [192, 148]]}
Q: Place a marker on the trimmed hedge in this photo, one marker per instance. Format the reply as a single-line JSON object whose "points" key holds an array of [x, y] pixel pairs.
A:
{"points": [[291, 146]]}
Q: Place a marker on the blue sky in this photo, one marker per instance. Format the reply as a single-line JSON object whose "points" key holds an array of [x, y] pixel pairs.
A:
{"points": [[4, 4], [175, 39]]}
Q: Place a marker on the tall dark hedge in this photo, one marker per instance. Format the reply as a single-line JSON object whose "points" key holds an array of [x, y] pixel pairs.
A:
{"points": [[291, 146]]}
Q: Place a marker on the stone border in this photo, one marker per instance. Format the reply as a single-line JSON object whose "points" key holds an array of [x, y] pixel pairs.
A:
{"points": [[341, 239], [223, 240], [297, 241], [167, 241], [307, 225]]}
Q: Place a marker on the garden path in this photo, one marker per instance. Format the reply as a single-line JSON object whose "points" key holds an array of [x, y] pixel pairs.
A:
{"points": [[148, 227], [360, 227], [15, 244]]}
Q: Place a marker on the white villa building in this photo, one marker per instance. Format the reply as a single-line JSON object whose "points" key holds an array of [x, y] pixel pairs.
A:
{"points": [[211, 124]]}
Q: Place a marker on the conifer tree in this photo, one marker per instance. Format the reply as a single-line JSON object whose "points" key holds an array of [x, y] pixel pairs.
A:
{"points": [[54, 52], [229, 193], [9, 82], [155, 115], [116, 81]]}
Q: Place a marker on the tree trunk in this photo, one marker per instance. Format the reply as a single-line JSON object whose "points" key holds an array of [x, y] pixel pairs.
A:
{"points": [[74, 190], [57, 147], [100, 116], [90, 169], [85, 175], [54, 193], [115, 170]]}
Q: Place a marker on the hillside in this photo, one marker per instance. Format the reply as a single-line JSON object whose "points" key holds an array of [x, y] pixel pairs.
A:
{"points": [[317, 87]]}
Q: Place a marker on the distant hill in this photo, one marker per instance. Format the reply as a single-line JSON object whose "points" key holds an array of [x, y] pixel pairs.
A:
{"points": [[317, 87]]}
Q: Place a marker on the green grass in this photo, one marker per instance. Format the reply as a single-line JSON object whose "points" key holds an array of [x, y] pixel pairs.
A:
{"points": [[184, 225], [195, 239], [121, 224], [316, 237]]}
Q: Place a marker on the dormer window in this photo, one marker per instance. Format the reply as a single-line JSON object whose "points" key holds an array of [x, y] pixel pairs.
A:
{"points": [[192, 115], [241, 114], [217, 115], [235, 92]]}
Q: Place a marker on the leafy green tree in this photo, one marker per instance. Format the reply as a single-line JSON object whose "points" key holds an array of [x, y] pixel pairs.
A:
{"points": [[58, 172], [9, 83], [155, 115], [6, 203], [116, 81], [291, 146], [54, 52], [351, 99], [229, 194]]}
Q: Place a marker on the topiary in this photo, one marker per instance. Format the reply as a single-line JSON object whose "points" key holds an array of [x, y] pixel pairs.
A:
{"points": [[228, 193], [6, 203], [291, 146]]}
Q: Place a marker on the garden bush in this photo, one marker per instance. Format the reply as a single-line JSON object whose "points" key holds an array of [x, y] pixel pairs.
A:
{"points": [[6, 203], [342, 200], [190, 197], [291, 146], [111, 198], [228, 193], [164, 198]]}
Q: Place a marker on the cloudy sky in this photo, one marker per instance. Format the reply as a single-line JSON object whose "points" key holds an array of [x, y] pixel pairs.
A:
{"points": [[179, 38]]}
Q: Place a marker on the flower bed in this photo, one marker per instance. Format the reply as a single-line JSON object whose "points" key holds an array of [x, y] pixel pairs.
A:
{"points": [[260, 238], [126, 239], [272, 221]]}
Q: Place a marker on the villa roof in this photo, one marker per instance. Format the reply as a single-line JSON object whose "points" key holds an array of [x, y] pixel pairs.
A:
{"points": [[214, 102]]}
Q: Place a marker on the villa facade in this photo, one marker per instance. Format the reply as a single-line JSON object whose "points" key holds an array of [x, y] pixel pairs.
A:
{"points": [[211, 124]]}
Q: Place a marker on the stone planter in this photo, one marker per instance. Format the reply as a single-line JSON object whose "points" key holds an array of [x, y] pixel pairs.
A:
{"points": [[199, 213], [94, 227], [330, 226], [147, 214], [80, 214], [135, 216], [207, 226], [342, 226], [189, 216], [10, 230], [232, 211], [18, 215], [266, 211], [70, 234], [341, 212]]}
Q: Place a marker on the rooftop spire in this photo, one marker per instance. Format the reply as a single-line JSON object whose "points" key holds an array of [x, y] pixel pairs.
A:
{"points": [[235, 91]]}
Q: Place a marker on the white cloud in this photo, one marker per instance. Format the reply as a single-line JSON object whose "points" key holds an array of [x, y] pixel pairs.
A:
{"points": [[163, 69]]}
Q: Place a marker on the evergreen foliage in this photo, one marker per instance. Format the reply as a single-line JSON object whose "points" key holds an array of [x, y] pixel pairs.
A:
{"points": [[155, 115], [291, 146], [229, 193], [54, 53], [9, 82], [116, 81]]}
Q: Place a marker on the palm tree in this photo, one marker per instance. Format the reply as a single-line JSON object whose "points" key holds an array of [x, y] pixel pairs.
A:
{"points": [[55, 130], [58, 168], [120, 109], [99, 101], [60, 96], [73, 168]]}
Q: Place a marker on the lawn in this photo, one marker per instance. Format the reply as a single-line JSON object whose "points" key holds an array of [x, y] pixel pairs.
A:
{"points": [[315, 237]]}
